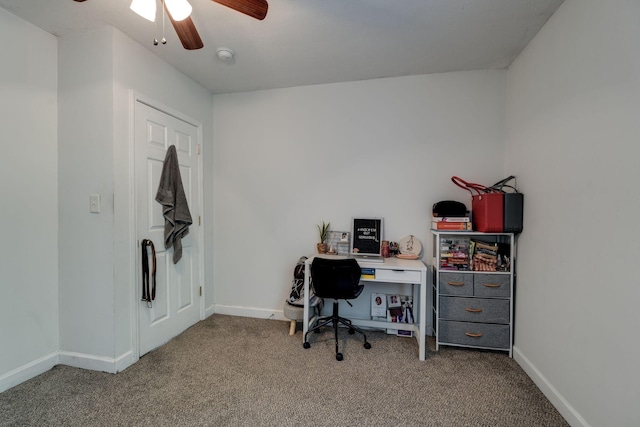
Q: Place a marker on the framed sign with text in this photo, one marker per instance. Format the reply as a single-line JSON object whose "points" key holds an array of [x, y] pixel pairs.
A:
{"points": [[366, 236]]}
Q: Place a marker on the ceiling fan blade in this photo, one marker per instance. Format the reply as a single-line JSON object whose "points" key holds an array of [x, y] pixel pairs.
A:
{"points": [[187, 32], [254, 8]]}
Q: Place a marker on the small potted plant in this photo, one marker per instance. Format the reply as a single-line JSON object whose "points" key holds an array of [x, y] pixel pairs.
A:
{"points": [[323, 231]]}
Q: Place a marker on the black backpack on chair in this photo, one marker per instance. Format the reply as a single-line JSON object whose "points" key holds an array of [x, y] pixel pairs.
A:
{"points": [[296, 296]]}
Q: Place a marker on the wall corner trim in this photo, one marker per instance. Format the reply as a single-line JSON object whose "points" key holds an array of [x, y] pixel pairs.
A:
{"points": [[557, 400]]}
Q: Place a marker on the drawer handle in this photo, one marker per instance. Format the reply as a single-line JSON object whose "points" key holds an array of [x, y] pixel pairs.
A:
{"points": [[473, 310], [455, 283], [492, 285], [469, 334]]}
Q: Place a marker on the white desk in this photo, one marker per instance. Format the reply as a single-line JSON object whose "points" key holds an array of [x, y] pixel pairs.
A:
{"points": [[393, 270]]}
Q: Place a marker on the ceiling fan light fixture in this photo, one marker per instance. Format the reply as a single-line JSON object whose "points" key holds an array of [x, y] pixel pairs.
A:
{"points": [[145, 8], [179, 9]]}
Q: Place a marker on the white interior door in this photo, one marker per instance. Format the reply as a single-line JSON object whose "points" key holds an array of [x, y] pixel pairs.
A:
{"points": [[177, 303]]}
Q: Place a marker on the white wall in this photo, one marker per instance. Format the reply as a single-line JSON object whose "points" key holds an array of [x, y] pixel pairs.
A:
{"points": [[29, 192], [85, 148], [100, 71], [287, 159], [573, 111]]}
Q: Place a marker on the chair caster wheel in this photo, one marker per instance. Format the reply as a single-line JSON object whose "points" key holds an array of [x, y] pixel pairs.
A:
{"points": [[367, 345], [339, 357], [306, 345], [352, 331]]}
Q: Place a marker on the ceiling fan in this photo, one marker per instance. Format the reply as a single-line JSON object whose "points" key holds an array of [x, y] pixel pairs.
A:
{"points": [[182, 22]]}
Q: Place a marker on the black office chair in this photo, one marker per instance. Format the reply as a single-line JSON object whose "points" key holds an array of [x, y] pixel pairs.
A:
{"points": [[336, 279]]}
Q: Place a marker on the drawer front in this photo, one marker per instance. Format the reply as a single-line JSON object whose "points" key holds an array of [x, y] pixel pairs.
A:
{"points": [[474, 334], [475, 309], [491, 285], [398, 276], [456, 283]]}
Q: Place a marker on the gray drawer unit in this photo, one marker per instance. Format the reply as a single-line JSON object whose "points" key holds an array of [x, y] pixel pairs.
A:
{"points": [[452, 283], [483, 310], [473, 308], [475, 334], [492, 285]]}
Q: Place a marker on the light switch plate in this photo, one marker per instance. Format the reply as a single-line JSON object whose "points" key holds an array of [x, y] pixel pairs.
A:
{"points": [[94, 203]]}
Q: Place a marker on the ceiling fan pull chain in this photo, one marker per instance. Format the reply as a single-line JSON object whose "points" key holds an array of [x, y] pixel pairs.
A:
{"points": [[155, 32], [164, 40]]}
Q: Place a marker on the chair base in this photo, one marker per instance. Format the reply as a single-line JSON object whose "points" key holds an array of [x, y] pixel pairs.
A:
{"points": [[336, 320]]}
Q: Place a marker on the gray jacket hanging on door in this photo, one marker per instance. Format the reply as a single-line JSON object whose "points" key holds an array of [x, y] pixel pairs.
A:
{"points": [[175, 209]]}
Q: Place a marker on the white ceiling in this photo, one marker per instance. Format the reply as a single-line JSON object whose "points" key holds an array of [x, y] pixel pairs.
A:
{"points": [[303, 42]]}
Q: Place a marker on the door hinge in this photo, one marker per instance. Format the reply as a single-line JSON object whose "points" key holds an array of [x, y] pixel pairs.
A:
{"points": [[199, 220], [200, 290], [198, 149]]}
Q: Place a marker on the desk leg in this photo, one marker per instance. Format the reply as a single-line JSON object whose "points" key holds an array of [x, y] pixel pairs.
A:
{"points": [[423, 318], [305, 311]]}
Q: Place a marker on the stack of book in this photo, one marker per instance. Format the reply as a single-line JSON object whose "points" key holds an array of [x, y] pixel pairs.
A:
{"points": [[368, 273], [454, 253], [451, 223]]}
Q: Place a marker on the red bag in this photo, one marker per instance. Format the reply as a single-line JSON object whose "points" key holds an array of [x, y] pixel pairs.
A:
{"points": [[487, 206]]}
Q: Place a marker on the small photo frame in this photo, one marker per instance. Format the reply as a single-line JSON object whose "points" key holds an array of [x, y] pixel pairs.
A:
{"points": [[394, 301], [338, 241], [378, 305]]}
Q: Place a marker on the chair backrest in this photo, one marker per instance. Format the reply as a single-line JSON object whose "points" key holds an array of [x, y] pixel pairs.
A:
{"points": [[336, 278]]}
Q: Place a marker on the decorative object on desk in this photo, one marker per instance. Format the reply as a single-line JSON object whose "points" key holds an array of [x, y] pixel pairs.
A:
{"points": [[407, 256], [340, 242], [410, 246], [323, 231], [393, 248], [385, 249]]}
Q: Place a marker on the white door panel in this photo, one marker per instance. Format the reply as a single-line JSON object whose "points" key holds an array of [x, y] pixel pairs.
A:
{"points": [[177, 303]]}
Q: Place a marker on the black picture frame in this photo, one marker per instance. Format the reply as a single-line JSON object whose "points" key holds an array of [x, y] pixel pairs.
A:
{"points": [[366, 236]]}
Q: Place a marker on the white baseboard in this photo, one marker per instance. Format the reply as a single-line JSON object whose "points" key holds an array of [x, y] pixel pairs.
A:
{"points": [[258, 313], [561, 404], [208, 311], [96, 363], [28, 371]]}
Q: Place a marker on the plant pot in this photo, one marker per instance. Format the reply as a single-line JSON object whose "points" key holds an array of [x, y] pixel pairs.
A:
{"points": [[322, 248]]}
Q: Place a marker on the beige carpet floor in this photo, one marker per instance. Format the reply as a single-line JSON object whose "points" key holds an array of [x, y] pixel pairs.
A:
{"points": [[235, 371]]}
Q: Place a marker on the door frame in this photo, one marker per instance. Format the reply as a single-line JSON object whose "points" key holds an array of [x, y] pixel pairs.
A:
{"points": [[135, 98]]}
